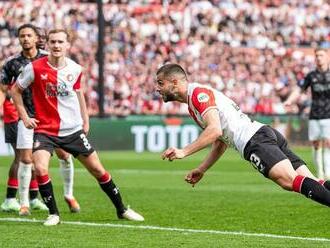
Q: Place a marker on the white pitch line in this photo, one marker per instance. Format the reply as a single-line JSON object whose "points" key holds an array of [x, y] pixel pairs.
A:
{"points": [[173, 229]]}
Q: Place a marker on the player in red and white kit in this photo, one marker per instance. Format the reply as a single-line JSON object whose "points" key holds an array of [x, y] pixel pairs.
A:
{"points": [[64, 158], [224, 125], [61, 121]]}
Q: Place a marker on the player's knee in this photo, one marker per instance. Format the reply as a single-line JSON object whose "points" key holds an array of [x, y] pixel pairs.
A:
{"points": [[26, 157], [41, 170], [285, 181], [26, 160], [316, 144], [97, 172]]}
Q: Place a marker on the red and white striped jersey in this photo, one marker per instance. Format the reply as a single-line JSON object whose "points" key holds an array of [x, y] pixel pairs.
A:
{"points": [[236, 126], [54, 95]]}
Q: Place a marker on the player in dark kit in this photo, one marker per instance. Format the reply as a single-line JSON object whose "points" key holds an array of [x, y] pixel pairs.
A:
{"points": [[28, 38], [9, 73], [319, 119]]}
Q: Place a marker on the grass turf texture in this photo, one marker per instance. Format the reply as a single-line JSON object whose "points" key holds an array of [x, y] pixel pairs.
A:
{"points": [[232, 197]]}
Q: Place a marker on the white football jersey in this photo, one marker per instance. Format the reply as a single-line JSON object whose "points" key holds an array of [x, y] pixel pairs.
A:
{"points": [[236, 126]]}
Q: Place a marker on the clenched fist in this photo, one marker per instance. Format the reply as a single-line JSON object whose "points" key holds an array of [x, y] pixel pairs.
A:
{"points": [[194, 176]]}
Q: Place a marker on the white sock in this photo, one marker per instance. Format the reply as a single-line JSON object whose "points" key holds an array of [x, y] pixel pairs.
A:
{"points": [[326, 162], [318, 161], [24, 179], [67, 171]]}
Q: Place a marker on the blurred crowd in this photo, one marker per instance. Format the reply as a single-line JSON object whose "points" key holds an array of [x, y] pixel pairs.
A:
{"points": [[254, 51]]}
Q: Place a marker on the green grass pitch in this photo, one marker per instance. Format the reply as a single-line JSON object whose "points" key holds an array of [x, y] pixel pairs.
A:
{"points": [[233, 206]]}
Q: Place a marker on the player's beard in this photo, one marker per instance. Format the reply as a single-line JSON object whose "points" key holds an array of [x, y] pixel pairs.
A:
{"points": [[168, 97], [41, 46], [27, 47]]}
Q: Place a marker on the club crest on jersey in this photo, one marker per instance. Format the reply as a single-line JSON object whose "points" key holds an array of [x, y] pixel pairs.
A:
{"points": [[203, 97], [53, 90], [69, 77]]}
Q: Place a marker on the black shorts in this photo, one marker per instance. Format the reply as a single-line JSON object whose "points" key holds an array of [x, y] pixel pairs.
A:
{"points": [[11, 133], [76, 143], [266, 148]]}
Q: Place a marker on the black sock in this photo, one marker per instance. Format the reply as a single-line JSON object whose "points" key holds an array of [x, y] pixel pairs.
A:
{"points": [[11, 192], [12, 185], [47, 193], [113, 193], [311, 189], [33, 194]]}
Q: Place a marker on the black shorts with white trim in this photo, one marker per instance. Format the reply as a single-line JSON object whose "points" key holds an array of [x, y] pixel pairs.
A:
{"points": [[76, 143], [266, 148]]}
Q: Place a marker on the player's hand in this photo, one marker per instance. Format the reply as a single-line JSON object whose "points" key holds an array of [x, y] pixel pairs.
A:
{"points": [[86, 127], [30, 123], [173, 153], [194, 176]]}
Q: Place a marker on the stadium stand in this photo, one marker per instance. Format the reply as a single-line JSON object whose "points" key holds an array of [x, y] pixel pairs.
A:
{"points": [[254, 51]]}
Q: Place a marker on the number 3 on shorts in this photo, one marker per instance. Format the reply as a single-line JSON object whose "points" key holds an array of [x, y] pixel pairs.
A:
{"points": [[85, 140], [256, 162]]}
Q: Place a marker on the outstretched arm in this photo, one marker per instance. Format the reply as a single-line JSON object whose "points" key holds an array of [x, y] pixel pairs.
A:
{"points": [[210, 134], [292, 98], [217, 150]]}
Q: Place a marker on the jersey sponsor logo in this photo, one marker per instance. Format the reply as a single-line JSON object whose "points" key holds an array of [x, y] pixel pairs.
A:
{"points": [[203, 97], [321, 87], [53, 90]]}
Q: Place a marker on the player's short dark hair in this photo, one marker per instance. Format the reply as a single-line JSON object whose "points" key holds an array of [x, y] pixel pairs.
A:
{"points": [[59, 30], [27, 25], [169, 70], [41, 31]]}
